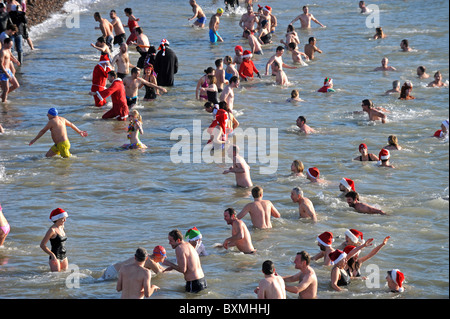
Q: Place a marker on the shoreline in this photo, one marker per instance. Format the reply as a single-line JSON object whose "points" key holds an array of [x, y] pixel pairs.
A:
{"points": [[39, 11]]}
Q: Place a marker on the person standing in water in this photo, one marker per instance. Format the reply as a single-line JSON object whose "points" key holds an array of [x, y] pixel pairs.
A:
{"points": [[58, 260]]}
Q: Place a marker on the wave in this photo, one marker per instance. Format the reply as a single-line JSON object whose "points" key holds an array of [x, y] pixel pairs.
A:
{"points": [[66, 17]]}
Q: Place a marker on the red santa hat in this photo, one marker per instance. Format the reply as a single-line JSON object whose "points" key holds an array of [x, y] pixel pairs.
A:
{"points": [[239, 48], [355, 235], [313, 172], [162, 46], [247, 54], [58, 213], [267, 8], [398, 277], [325, 239], [348, 249], [438, 133], [336, 256], [348, 184], [384, 155]]}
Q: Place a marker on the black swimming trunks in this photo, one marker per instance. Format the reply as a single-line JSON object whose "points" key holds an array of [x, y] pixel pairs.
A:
{"points": [[196, 285]]}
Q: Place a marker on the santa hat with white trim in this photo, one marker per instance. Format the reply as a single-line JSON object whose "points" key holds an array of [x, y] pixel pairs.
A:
{"points": [[348, 184], [325, 239], [58, 213], [313, 172], [336, 256], [247, 54], [384, 155], [355, 236], [398, 277]]}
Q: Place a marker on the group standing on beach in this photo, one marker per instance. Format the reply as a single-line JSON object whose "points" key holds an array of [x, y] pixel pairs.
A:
{"points": [[217, 87]]}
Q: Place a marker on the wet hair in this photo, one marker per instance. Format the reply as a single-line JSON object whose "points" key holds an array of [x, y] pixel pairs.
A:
{"points": [[353, 195], [368, 103], [228, 59], [268, 267], [7, 41], [305, 256], [302, 118], [128, 10], [298, 191], [257, 192], [135, 70], [379, 31], [233, 79], [422, 68], [311, 39], [280, 48], [211, 79], [230, 211], [403, 90], [97, 14], [218, 62], [141, 254], [138, 30], [113, 74], [209, 70], [292, 45], [176, 234], [438, 73], [294, 93], [290, 28], [224, 106], [101, 40], [392, 140], [405, 42], [395, 84], [299, 165]]}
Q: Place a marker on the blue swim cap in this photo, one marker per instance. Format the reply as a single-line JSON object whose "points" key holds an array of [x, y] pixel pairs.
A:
{"points": [[53, 111]]}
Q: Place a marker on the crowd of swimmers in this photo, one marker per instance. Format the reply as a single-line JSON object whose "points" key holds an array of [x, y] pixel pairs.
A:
{"points": [[216, 90]]}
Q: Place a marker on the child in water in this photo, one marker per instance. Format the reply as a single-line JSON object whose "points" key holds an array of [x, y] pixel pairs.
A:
{"points": [[134, 130]]}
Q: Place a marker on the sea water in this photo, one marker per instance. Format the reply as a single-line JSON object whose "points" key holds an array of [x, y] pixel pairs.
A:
{"points": [[119, 200]]}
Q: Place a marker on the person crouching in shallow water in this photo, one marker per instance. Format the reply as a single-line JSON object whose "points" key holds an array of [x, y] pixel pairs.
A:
{"points": [[405, 92]]}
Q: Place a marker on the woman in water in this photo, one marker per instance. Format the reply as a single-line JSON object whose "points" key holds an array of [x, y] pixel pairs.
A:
{"points": [[339, 277], [365, 155], [211, 90], [4, 227], [230, 70], [56, 235], [354, 261], [134, 130], [393, 143], [150, 76], [405, 92], [202, 83]]}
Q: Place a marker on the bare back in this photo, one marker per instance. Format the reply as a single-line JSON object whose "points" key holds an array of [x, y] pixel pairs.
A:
{"points": [[272, 287], [134, 281], [260, 212], [189, 261]]}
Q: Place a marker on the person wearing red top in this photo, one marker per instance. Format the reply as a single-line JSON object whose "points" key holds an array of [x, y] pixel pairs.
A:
{"points": [[99, 77], [247, 67], [132, 25], [116, 90]]}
